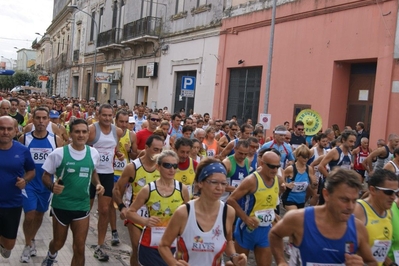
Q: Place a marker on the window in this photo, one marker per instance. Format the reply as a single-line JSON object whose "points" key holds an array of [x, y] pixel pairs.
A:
{"points": [[93, 15], [114, 14], [141, 72], [100, 23], [201, 2], [179, 6]]}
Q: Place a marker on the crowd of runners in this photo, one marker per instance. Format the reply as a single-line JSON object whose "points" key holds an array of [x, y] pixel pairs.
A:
{"points": [[194, 190]]}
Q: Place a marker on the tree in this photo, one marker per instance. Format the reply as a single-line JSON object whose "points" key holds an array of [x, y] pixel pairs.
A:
{"points": [[20, 78]]}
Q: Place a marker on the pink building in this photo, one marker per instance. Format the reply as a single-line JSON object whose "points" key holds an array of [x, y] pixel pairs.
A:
{"points": [[337, 57]]}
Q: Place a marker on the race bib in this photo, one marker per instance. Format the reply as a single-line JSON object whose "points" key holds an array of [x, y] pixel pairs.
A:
{"points": [[105, 158], [143, 211], [156, 235], [119, 165], [265, 217], [300, 186], [235, 183], [39, 155], [361, 159], [380, 249], [210, 153]]}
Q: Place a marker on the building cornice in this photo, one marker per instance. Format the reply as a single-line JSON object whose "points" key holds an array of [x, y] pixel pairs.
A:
{"points": [[295, 16]]}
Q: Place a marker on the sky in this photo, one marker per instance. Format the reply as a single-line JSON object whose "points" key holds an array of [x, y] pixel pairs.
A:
{"points": [[20, 19]]}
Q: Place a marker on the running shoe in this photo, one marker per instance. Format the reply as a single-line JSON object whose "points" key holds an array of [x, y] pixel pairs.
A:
{"points": [[100, 254], [115, 239], [48, 261], [33, 250], [25, 257], [5, 252]]}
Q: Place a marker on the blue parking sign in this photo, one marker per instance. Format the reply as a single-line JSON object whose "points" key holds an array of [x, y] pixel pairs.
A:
{"points": [[187, 86]]}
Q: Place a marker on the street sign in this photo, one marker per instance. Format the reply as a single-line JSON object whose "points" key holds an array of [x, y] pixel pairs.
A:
{"points": [[8, 72], [265, 120], [187, 86], [43, 78]]}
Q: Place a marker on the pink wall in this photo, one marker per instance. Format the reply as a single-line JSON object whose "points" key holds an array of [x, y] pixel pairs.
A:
{"points": [[311, 57]]}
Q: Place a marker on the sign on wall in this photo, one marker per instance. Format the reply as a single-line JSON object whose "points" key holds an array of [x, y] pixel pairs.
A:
{"points": [[187, 86], [104, 77]]}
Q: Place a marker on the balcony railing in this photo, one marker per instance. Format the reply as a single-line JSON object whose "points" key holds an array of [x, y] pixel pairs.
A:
{"points": [[108, 37], [148, 26], [76, 55]]}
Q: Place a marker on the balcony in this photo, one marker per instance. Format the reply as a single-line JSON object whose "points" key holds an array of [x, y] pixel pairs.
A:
{"points": [[76, 55], [109, 39], [142, 29]]}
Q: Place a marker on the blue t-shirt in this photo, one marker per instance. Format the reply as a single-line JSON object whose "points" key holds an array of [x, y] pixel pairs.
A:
{"points": [[284, 149], [14, 162]]}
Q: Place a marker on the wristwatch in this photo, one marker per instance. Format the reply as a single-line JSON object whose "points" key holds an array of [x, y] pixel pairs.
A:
{"points": [[121, 206]]}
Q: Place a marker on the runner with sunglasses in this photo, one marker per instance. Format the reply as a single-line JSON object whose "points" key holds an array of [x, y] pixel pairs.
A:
{"points": [[261, 191], [138, 173], [374, 211], [143, 134], [162, 197], [203, 227]]}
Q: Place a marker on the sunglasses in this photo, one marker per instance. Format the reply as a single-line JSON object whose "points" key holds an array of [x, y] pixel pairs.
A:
{"points": [[155, 119], [271, 166], [169, 165], [300, 129], [387, 191], [216, 183]]}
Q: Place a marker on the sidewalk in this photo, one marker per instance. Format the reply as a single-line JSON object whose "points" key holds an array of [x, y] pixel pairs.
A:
{"points": [[118, 255]]}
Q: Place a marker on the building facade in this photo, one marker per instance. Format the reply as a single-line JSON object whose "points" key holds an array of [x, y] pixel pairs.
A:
{"points": [[26, 59], [326, 57]]}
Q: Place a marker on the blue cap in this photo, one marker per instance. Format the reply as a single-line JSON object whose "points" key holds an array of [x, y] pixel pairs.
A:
{"points": [[54, 114]]}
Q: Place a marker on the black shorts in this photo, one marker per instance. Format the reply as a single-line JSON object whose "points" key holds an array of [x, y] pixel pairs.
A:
{"points": [[291, 203], [361, 172], [107, 181], [65, 217], [150, 256], [320, 185], [9, 222]]}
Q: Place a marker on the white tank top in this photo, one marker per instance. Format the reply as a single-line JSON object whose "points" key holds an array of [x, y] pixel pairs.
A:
{"points": [[203, 248], [396, 167], [317, 155], [49, 127], [166, 144], [106, 148]]}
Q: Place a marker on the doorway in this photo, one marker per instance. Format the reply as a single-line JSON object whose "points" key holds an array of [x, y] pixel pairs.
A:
{"points": [[361, 94], [244, 94], [180, 102], [142, 93]]}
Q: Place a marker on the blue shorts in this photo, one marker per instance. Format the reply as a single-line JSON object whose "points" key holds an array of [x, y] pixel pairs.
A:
{"points": [[250, 240], [116, 178], [35, 201], [150, 256]]}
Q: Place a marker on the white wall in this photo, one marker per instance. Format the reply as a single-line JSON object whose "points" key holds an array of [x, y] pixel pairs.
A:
{"points": [[200, 55]]}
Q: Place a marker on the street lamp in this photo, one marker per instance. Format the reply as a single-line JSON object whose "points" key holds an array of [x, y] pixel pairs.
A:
{"points": [[95, 43], [26, 55], [51, 64], [8, 60]]}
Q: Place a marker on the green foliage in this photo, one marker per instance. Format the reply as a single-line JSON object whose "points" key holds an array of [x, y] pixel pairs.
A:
{"points": [[18, 79]]}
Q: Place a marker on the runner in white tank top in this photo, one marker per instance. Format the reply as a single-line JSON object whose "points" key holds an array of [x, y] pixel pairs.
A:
{"points": [[202, 248]]}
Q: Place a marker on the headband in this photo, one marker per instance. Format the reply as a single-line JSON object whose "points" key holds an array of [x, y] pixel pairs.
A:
{"points": [[280, 132], [211, 169]]}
